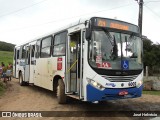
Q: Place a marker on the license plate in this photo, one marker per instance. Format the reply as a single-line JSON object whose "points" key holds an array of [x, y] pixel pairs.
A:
{"points": [[123, 93]]}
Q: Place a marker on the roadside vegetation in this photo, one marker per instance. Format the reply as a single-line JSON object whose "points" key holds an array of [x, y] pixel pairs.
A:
{"points": [[6, 56], [151, 57], [6, 46], [152, 92], [6, 52]]}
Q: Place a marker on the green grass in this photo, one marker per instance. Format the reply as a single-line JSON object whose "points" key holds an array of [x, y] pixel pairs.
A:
{"points": [[6, 57], [2, 88], [152, 92]]}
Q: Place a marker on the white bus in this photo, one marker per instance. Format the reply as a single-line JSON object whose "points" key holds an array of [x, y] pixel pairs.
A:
{"points": [[96, 59]]}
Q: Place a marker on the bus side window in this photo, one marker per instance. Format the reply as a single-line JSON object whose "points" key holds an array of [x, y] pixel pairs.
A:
{"points": [[23, 52], [32, 55], [33, 49], [37, 49], [17, 54], [60, 44], [27, 55], [46, 47]]}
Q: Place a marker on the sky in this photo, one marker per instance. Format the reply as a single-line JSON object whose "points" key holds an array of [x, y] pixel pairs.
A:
{"points": [[24, 20]]}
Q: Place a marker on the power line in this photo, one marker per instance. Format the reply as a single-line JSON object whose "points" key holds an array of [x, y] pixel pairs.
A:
{"points": [[152, 11], [53, 21], [152, 1], [22, 9], [87, 14]]}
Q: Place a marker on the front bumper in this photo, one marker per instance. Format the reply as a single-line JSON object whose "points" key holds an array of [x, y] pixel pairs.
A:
{"points": [[93, 94]]}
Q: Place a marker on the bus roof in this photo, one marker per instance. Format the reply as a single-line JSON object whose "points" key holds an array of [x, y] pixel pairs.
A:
{"points": [[77, 22]]}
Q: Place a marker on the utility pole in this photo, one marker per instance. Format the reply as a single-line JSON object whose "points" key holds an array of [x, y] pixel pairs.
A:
{"points": [[140, 2]]}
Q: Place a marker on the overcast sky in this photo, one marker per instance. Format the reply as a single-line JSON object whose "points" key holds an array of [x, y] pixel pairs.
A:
{"points": [[23, 20]]}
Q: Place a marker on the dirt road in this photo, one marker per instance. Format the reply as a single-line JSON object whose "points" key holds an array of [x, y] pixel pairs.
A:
{"points": [[32, 98]]}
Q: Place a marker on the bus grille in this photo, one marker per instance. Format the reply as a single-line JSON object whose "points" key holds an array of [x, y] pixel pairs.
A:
{"points": [[120, 78]]}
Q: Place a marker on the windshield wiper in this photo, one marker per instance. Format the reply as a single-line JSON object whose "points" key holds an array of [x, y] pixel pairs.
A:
{"points": [[109, 36], [114, 54], [112, 40]]}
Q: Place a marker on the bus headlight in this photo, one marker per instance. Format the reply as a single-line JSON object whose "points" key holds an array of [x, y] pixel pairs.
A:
{"points": [[95, 84], [139, 83]]}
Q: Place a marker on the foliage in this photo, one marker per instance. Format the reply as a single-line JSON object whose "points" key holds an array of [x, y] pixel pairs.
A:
{"points": [[151, 56], [6, 52], [6, 46]]}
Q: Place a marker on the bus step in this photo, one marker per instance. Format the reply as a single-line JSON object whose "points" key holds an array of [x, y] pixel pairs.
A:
{"points": [[74, 96], [72, 93]]}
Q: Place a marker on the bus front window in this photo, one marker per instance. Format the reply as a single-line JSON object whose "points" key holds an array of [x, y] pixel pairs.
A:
{"points": [[108, 49]]}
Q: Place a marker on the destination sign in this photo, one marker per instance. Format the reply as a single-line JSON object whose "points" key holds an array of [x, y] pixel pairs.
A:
{"points": [[114, 24]]}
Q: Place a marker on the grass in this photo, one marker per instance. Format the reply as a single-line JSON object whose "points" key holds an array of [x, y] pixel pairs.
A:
{"points": [[6, 57], [152, 92], [2, 88]]}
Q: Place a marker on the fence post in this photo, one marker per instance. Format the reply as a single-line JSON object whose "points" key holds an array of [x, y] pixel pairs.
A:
{"points": [[147, 71]]}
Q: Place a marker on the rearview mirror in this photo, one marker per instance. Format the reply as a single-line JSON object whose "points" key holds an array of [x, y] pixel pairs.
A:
{"points": [[88, 34]]}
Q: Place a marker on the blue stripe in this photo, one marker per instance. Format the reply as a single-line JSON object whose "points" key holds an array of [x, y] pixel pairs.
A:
{"points": [[93, 94]]}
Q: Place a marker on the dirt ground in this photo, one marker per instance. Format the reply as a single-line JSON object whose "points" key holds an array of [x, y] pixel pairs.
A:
{"points": [[32, 98]]}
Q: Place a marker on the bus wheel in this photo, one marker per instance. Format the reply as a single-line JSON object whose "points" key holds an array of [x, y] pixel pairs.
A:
{"points": [[21, 82], [61, 92]]}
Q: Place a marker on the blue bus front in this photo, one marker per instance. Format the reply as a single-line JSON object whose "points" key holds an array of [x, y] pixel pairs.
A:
{"points": [[115, 68]]}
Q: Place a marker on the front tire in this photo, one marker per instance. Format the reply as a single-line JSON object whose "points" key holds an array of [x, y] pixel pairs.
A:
{"points": [[21, 82], [61, 92]]}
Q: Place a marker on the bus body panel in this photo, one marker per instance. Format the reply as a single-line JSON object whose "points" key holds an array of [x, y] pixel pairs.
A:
{"points": [[46, 70], [102, 79], [85, 73], [111, 88], [43, 78]]}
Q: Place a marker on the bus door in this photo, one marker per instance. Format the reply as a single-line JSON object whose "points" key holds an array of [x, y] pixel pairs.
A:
{"points": [[27, 64], [74, 64], [16, 62], [32, 63]]}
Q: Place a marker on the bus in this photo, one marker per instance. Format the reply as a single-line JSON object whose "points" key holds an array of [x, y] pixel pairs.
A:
{"points": [[94, 59]]}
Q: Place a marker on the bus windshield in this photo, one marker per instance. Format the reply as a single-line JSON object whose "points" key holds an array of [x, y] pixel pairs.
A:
{"points": [[107, 50]]}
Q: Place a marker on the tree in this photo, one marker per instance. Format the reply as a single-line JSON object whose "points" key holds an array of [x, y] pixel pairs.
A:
{"points": [[151, 55], [6, 46]]}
